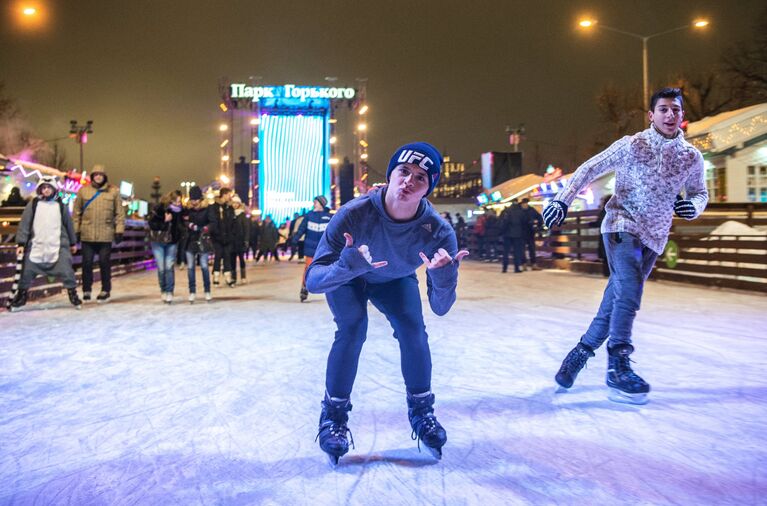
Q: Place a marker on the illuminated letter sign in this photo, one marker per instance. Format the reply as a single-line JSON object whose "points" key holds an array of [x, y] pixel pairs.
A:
{"points": [[303, 93]]}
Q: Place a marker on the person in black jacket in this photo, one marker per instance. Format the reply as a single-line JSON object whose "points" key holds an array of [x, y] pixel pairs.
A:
{"points": [[198, 243], [165, 232], [534, 225], [514, 225], [221, 224], [240, 233]]}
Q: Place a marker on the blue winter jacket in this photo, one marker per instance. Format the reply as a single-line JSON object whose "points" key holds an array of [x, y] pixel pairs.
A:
{"points": [[313, 225]]}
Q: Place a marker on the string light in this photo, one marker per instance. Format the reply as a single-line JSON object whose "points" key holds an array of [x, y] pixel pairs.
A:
{"points": [[735, 134]]}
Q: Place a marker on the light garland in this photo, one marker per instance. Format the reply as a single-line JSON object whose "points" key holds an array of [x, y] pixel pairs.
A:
{"points": [[734, 134]]}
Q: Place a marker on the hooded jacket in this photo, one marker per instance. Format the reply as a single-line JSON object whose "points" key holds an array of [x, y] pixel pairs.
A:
{"points": [[103, 218]]}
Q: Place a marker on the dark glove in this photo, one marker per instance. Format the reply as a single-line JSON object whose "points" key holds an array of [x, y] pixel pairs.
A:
{"points": [[685, 209], [555, 213], [118, 238]]}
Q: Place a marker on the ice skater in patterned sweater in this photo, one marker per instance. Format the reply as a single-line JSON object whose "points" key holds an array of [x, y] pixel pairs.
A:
{"points": [[652, 169]]}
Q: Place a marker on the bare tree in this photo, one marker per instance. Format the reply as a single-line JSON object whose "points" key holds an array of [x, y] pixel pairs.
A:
{"points": [[747, 62], [621, 110], [707, 94]]}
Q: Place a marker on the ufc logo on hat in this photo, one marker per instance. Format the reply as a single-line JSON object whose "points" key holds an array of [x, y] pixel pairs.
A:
{"points": [[414, 157]]}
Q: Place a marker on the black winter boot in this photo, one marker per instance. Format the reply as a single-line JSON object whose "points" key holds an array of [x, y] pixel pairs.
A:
{"points": [[624, 383], [19, 300], [572, 365], [332, 428], [74, 299], [425, 426]]}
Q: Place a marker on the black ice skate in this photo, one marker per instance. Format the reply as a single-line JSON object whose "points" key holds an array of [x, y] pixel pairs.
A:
{"points": [[572, 365], [425, 426], [19, 300], [304, 293], [332, 428], [74, 299], [102, 297], [625, 385]]}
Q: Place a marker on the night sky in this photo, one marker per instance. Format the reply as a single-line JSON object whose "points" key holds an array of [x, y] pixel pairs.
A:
{"points": [[453, 73]]}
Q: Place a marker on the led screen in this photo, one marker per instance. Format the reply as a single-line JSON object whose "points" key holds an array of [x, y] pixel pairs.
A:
{"points": [[294, 167]]}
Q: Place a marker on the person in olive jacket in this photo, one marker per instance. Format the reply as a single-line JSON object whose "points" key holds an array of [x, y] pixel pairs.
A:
{"points": [[99, 219]]}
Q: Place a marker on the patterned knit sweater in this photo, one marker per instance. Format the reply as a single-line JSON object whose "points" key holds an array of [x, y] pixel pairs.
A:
{"points": [[650, 171]]}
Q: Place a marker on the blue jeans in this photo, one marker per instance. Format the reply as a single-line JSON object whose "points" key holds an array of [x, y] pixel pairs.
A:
{"points": [[190, 264], [165, 258], [630, 264], [400, 301]]}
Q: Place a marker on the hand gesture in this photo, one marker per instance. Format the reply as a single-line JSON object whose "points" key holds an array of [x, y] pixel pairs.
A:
{"points": [[365, 252], [168, 217], [441, 258]]}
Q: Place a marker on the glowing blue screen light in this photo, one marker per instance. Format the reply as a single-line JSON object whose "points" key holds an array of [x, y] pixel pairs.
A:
{"points": [[294, 167]]}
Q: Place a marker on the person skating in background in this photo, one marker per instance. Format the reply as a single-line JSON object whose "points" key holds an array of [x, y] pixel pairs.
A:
{"points": [[601, 252], [99, 219], [534, 225], [165, 224], [199, 245], [370, 252], [310, 231], [282, 239], [255, 234], [46, 242], [513, 225], [295, 223], [240, 237], [221, 217], [651, 168], [460, 230], [267, 241]]}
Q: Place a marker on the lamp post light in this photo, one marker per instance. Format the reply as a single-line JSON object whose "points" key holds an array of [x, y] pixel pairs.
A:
{"points": [[80, 135], [593, 23], [186, 185]]}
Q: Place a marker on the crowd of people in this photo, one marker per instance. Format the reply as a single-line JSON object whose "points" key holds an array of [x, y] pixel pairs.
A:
{"points": [[184, 235]]}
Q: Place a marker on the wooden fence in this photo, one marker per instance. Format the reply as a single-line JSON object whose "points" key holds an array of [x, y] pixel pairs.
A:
{"points": [[692, 256]]}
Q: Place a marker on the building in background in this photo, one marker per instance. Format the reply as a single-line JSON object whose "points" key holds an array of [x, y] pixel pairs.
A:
{"points": [[734, 146], [455, 182]]}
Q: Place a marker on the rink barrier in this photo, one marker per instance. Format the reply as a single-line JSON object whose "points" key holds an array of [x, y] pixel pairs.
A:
{"points": [[131, 255], [734, 261]]}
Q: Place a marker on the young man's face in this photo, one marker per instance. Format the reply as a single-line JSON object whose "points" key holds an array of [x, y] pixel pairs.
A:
{"points": [[47, 191], [409, 182], [667, 116], [98, 179], [317, 206]]}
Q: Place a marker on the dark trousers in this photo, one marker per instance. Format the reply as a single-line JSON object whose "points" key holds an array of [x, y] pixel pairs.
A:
{"points": [[530, 245], [104, 251], [400, 301], [223, 254], [630, 264], [233, 263], [518, 246]]}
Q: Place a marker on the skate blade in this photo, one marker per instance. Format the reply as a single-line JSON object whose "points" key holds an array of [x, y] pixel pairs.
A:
{"points": [[435, 452], [333, 460], [616, 395]]}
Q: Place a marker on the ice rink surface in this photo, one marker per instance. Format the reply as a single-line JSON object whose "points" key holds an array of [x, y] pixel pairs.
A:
{"points": [[135, 402]]}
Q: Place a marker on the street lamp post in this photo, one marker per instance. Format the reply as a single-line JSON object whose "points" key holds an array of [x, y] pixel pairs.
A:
{"points": [[80, 134], [592, 23]]}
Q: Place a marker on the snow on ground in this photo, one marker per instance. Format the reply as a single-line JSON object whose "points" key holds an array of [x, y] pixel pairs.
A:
{"points": [[134, 402]]}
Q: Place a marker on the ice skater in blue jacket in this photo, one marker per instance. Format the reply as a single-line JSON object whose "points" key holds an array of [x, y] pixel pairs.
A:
{"points": [[370, 252]]}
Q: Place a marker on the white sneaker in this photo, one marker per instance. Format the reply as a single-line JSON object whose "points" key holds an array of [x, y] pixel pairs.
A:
{"points": [[191, 298], [168, 297], [163, 296], [208, 296]]}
